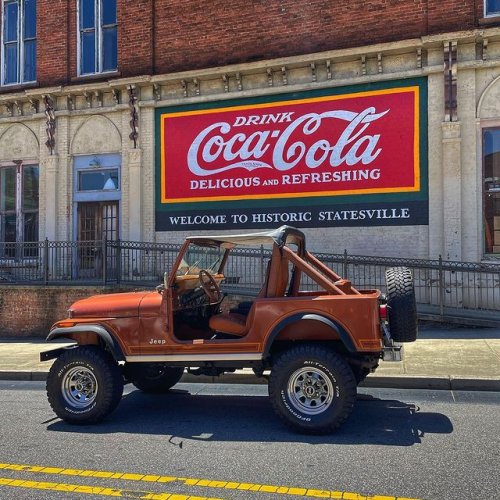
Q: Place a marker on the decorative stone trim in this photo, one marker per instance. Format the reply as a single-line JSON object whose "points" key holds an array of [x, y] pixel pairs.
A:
{"points": [[51, 123], [134, 117], [373, 63], [450, 81]]}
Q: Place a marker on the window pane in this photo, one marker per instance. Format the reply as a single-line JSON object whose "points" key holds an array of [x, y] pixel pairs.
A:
{"points": [[87, 14], [29, 19], [491, 160], [30, 188], [88, 52], [30, 61], [11, 13], [11, 63], [108, 12], [30, 227], [493, 7], [98, 180], [9, 230], [8, 188], [109, 49]]}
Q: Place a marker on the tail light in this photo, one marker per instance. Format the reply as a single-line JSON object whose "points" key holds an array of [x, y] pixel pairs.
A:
{"points": [[383, 312]]}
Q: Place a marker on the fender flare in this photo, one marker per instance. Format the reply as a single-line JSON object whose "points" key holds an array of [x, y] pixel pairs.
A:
{"points": [[100, 331], [334, 325]]}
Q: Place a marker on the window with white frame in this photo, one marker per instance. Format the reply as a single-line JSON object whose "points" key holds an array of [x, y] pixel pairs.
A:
{"points": [[18, 207], [97, 42], [18, 41], [492, 8]]}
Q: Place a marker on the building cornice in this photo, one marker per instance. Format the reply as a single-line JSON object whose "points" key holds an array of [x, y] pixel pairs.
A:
{"points": [[317, 70]]}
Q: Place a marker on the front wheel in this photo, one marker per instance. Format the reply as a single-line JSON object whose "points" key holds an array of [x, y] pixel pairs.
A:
{"points": [[312, 389], [84, 385]]}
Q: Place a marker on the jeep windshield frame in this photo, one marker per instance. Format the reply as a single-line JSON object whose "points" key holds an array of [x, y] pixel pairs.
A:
{"points": [[283, 236]]}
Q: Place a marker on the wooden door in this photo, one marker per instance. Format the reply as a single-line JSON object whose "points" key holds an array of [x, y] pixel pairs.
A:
{"points": [[97, 223]]}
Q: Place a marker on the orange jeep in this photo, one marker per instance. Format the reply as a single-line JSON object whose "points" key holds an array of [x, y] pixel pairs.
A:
{"points": [[318, 343]]}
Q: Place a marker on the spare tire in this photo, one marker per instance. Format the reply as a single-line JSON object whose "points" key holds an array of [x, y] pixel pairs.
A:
{"points": [[401, 304]]}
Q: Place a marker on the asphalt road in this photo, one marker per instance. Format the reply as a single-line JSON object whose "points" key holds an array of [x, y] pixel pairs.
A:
{"points": [[213, 441]]}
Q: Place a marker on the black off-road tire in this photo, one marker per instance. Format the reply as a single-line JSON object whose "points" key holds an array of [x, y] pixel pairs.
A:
{"points": [[312, 389], [84, 385], [401, 304], [154, 378]]}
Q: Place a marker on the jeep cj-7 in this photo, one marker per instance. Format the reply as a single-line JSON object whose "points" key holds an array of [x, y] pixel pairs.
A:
{"points": [[317, 335]]}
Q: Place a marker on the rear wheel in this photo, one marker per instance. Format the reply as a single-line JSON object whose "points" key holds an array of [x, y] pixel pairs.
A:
{"points": [[154, 377], [401, 304], [84, 385], [312, 389]]}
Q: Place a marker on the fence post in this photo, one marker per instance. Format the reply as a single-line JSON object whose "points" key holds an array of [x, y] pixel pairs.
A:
{"points": [[104, 260], [344, 265], [262, 271], [118, 261], [46, 261], [441, 287]]}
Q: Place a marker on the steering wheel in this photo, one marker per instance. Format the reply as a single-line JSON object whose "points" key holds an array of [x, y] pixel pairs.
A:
{"points": [[210, 286]]}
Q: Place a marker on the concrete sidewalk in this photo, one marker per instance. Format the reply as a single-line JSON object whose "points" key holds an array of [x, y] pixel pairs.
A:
{"points": [[442, 358]]}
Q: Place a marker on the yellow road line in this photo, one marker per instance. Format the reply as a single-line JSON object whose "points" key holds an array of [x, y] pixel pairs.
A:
{"points": [[208, 483], [96, 490]]}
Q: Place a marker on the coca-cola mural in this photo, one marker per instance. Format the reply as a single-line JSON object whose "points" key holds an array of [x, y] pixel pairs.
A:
{"points": [[353, 158]]}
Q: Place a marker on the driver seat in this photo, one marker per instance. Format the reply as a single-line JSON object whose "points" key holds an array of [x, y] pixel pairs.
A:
{"points": [[231, 323]]}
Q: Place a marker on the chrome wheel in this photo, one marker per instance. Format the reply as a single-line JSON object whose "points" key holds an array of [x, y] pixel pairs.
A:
{"points": [[310, 390], [79, 387]]}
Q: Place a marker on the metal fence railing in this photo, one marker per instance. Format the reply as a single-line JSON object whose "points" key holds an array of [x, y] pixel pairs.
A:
{"points": [[444, 289]]}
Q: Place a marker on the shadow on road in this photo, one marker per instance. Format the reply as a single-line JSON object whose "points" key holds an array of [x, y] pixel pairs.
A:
{"points": [[251, 419]]}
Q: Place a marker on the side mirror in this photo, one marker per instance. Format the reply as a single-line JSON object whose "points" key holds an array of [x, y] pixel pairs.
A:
{"points": [[163, 286]]}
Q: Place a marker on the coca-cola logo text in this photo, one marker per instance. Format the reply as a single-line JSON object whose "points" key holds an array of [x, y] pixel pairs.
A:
{"points": [[236, 149]]}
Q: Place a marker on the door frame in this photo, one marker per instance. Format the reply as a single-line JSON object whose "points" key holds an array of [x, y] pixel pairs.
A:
{"points": [[95, 162], [88, 163]]}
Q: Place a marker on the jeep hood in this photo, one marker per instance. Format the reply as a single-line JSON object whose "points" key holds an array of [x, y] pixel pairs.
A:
{"points": [[115, 305]]}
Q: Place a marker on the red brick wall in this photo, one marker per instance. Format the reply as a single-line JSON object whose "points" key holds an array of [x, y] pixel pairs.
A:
{"points": [[52, 42], [216, 33], [457, 14], [135, 37], [160, 36], [30, 311]]}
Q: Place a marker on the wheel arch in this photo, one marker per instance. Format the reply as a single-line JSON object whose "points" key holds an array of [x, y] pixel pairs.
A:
{"points": [[340, 331], [74, 332]]}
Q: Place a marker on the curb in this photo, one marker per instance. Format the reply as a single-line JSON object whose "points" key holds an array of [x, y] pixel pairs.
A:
{"points": [[448, 383], [23, 376]]}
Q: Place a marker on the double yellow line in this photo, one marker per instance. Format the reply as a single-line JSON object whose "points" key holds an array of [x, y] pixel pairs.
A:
{"points": [[150, 495], [95, 490]]}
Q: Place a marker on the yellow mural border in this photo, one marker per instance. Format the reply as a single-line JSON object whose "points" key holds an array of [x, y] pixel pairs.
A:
{"points": [[415, 89]]}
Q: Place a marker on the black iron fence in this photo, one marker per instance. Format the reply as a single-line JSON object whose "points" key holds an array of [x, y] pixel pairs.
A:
{"points": [[468, 292]]}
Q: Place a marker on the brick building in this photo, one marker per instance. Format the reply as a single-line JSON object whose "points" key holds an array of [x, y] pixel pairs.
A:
{"points": [[375, 126]]}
